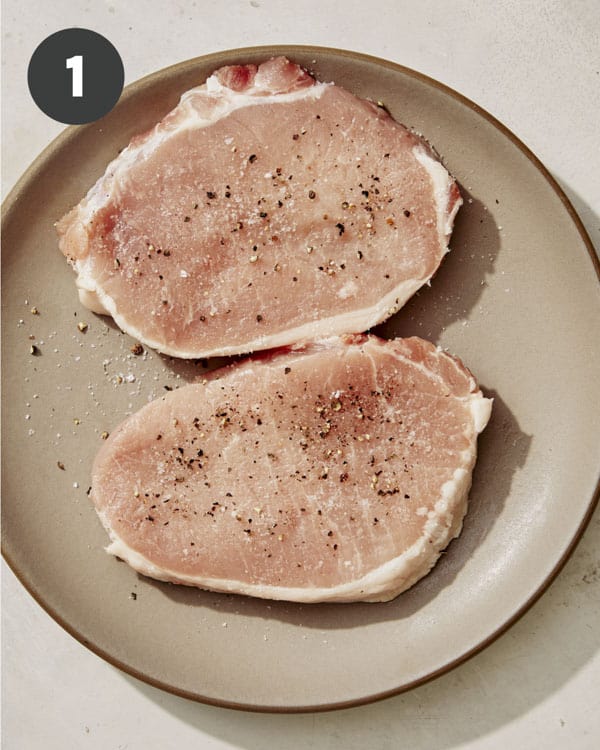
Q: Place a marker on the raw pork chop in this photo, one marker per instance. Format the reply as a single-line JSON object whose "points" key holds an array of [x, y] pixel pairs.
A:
{"points": [[333, 471], [265, 209]]}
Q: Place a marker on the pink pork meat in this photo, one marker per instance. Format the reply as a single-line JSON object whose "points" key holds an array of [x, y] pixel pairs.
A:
{"points": [[332, 471], [266, 208]]}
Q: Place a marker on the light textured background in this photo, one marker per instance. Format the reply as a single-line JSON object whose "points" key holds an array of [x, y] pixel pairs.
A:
{"points": [[536, 67]]}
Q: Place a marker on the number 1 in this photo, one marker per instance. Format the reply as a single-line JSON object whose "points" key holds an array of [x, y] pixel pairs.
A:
{"points": [[76, 64]]}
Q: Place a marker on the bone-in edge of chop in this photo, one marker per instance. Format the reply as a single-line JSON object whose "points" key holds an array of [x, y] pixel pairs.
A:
{"points": [[336, 470]]}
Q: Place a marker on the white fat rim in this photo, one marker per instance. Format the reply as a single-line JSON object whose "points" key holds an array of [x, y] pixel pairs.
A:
{"points": [[382, 584]]}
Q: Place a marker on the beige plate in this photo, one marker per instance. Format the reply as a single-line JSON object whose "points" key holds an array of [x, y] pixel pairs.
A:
{"points": [[517, 299]]}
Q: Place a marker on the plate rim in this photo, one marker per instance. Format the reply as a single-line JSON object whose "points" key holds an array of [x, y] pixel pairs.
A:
{"points": [[10, 203]]}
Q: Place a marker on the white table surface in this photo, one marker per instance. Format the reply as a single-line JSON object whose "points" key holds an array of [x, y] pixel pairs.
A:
{"points": [[536, 67]]}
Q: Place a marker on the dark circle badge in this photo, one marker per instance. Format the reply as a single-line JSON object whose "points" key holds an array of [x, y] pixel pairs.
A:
{"points": [[75, 76]]}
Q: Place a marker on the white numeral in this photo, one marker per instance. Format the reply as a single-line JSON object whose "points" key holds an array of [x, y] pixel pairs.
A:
{"points": [[76, 64]]}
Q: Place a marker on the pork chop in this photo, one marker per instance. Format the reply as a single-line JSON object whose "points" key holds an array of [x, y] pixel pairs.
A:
{"points": [[266, 208], [332, 471]]}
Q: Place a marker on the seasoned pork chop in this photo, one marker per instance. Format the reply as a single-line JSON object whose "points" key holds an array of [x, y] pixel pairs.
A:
{"points": [[333, 471], [266, 208]]}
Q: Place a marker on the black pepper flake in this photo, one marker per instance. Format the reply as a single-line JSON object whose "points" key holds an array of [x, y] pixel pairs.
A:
{"points": [[341, 228], [34, 350], [60, 465], [312, 195], [168, 387], [330, 533], [166, 253], [137, 349], [186, 218], [259, 318], [133, 595], [252, 158], [287, 370], [295, 137], [263, 214], [210, 195], [406, 212]]}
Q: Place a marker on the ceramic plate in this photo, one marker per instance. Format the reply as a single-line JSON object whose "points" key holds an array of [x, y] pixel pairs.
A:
{"points": [[517, 299]]}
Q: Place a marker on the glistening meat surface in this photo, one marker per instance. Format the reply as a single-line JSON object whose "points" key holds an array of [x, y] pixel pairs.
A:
{"points": [[266, 208], [333, 471]]}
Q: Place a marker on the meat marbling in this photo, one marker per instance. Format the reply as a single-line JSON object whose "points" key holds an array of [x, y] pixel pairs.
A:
{"points": [[336, 470], [266, 208]]}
